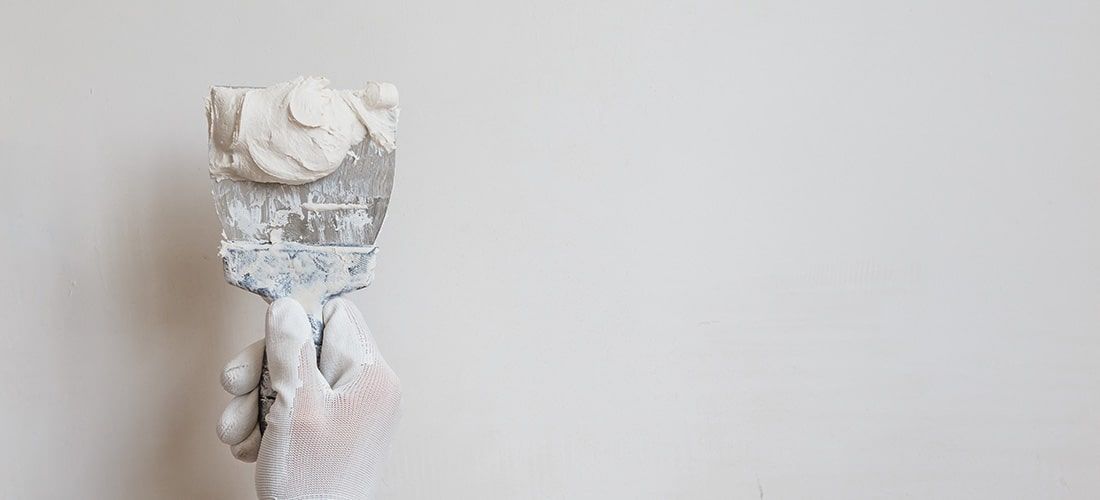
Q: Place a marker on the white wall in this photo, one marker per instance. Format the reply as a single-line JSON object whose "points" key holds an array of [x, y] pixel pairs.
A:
{"points": [[637, 250]]}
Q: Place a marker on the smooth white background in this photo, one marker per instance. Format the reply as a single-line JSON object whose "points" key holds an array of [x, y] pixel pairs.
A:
{"points": [[637, 250]]}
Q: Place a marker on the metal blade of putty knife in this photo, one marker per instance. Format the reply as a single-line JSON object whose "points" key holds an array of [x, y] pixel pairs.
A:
{"points": [[312, 241]]}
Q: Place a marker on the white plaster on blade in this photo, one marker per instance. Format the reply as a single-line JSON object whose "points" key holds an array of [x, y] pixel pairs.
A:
{"points": [[246, 218], [295, 132], [322, 207], [355, 220]]}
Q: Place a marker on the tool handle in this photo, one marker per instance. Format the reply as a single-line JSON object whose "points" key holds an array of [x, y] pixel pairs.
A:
{"points": [[294, 270], [267, 393]]}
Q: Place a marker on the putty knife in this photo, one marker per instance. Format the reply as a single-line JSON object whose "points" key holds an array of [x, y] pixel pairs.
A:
{"points": [[312, 241]]}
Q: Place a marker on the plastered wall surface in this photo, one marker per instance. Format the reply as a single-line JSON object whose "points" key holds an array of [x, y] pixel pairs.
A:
{"points": [[636, 250]]}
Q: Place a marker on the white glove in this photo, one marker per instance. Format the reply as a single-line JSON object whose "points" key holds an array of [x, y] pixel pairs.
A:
{"points": [[328, 430]]}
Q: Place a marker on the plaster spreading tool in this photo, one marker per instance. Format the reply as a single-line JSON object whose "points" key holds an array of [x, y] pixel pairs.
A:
{"points": [[302, 179]]}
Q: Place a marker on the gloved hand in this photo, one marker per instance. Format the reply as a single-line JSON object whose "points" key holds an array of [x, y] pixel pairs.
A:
{"points": [[329, 428]]}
